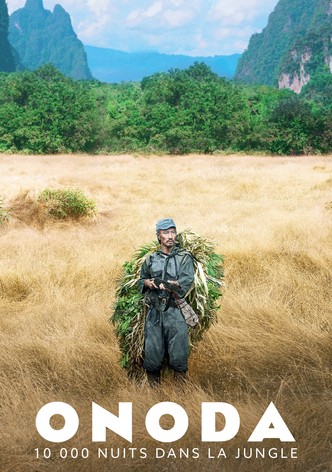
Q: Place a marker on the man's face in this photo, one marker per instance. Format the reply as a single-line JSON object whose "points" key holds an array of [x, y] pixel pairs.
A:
{"points": [[167, 237]]}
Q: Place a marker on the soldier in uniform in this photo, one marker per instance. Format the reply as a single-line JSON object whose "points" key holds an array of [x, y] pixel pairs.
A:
{"points": [[166, 332]]}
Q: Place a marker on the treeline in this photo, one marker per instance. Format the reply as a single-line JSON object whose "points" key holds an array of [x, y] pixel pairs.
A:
{"points": [[181, 111]]}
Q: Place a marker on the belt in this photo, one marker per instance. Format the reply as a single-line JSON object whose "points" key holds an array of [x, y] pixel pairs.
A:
{"points": [[163, 301], [160, 301]]}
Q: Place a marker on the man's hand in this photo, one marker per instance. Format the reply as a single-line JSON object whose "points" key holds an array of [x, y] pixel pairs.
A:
{"points": [[149, 283]]}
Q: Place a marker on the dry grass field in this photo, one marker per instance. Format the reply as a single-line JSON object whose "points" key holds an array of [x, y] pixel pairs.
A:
{"points": [[272, 220]]}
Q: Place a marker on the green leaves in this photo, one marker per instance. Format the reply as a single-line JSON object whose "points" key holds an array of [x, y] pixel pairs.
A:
{"points": [[194, 110], [178, 112], [67, 203], [130, 310], [45, 112], [294, 127]]}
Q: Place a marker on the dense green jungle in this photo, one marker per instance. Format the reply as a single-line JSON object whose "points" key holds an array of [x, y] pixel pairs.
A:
{"points": [[178, 112]]}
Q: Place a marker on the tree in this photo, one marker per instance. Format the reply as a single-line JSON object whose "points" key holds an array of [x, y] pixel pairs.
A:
{"points": [[319, 89], [44, 112], [193, 110], [7, 61], [294, 128]]}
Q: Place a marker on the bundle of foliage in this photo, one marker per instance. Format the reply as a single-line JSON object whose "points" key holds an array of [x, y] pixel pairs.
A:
{"points": [[67, 203], [130, 309]]}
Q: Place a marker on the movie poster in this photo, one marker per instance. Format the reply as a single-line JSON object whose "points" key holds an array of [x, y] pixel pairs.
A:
{"points": [[257, 395]]}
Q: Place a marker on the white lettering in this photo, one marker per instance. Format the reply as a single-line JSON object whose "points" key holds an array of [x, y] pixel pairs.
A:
{"points": [[152, 422], [232, 421], [263, 429], [102, 419], [57, 435], [270, 426]]}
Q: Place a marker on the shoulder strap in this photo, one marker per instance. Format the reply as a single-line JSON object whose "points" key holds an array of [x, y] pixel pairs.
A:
{"points": [[148, 258], [185, 252]]}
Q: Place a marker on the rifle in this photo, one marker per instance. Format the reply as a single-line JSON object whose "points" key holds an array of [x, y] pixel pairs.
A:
{"points": [[168, 284], [188, 313]]}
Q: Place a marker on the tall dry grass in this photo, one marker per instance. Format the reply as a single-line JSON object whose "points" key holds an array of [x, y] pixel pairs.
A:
{"points": [[270, 217]]}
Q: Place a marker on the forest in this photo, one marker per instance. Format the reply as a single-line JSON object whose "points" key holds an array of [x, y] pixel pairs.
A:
{"points": [[178, 112]]}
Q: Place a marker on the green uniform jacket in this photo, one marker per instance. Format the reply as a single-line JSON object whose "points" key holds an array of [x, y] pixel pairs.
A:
{"points": [[178, 265], [165, 331]]}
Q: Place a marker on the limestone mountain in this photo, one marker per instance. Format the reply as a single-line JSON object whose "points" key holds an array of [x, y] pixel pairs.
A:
{"points": [[41, 37], [7, 56], [294, 46]]}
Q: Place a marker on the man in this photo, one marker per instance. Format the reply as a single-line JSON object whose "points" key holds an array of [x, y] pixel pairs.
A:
{"points": [[165, 331]]}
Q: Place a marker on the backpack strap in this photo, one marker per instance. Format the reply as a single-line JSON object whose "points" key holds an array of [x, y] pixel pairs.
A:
{"points": [[148, 258]]}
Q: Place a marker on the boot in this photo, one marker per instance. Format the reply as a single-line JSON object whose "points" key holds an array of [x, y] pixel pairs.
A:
{"points": [[153, 378]]}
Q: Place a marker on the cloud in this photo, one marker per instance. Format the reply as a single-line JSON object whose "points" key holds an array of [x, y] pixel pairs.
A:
{"points": [[153, 9], [101, 7], [140, 16], [160, 15], [226, 10], [194, 27], [178, 18], [14, 5]]}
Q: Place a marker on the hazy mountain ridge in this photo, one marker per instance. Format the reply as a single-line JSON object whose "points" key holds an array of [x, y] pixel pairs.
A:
{"points": [[295, 45], [110, 65], [41, 37]]}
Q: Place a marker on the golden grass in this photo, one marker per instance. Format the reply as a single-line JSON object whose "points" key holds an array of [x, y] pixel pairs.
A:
{"points": [[270, 217]]}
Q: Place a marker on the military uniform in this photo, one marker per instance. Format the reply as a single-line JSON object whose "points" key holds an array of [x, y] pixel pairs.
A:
{"points": [[166, 332]]}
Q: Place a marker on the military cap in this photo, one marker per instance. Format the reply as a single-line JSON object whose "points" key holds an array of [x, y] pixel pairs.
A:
{"points": [[165, 223]]}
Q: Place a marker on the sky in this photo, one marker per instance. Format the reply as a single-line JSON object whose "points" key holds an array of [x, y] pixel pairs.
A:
{"points": [[191, 27]]}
